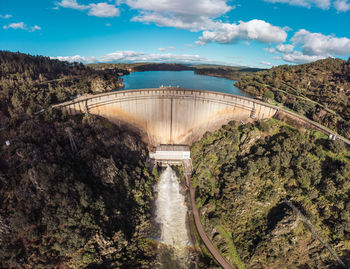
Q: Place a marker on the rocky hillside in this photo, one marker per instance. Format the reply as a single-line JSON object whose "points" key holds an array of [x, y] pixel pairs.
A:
{"points": [[318, 90], [245, 174]]}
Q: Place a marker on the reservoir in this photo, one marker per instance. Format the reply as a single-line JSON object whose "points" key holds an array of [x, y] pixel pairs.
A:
{"points": [[183, 79]]}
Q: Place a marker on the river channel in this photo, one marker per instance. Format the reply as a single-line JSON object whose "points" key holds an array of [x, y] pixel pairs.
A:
{"points": [[171, 216]]}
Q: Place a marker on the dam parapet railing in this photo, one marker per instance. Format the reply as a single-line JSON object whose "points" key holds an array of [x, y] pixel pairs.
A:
{"points": [[165, 92]]}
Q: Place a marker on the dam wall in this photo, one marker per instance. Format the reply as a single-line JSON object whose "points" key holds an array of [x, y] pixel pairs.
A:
{"points": [[170, 115]]}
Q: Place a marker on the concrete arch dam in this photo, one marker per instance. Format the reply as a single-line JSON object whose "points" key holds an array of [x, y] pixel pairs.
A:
{"points": [[170, 115]]}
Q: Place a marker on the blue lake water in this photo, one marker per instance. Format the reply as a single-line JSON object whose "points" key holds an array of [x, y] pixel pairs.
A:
{"points": [[183, 79]]}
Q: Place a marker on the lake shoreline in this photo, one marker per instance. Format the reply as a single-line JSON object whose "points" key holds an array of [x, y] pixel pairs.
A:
{"points": [[187, 79]]}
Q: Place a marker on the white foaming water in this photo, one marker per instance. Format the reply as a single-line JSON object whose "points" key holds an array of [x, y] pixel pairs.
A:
{"points": [[171, 211], [171, 215]]}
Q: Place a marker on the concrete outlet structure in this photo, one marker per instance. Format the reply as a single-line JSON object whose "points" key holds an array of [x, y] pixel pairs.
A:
{"points": [[170, 154]]}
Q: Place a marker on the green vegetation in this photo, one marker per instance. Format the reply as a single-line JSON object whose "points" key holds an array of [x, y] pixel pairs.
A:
{"points": [[64, 209], [31, 83], [244, 173], [205, 260], [232, 251], [318, 90], [229, 72], [76, 192], [268, 95], [66, 206]]}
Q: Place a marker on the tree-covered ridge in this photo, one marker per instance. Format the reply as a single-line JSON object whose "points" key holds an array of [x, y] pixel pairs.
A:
{"points": [[140, 67], [242, 176], [229, 72], [30, 83], [67, 207], [318, 90]]}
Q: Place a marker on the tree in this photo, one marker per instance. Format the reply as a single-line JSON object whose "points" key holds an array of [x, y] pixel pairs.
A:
{"points": [[337, 146], [268, 95]]}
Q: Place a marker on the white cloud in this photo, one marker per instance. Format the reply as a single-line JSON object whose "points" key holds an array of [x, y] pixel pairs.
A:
{"points": [[108, 24], [192, 23], [71, 4], [207, 8], [103, 10], [342, 5], [339, 5], [16, 25], [194, 15], [168, 48], [76, 58], [271, 50], [257, 30], [134, 56], [34, 28], [266, 63], [319, 44], [300, 58], [323, 4], [6, 16], [314, 46], [22, 26], [285, 48]]}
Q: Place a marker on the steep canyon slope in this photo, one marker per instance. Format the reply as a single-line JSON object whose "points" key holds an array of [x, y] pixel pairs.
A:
{"points": [[243, 176]]}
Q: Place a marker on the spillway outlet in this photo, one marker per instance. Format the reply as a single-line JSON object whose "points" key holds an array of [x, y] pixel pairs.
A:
{"points": [[170, 155]]}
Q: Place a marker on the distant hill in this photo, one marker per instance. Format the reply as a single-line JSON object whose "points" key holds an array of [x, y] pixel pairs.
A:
{"points": [[139, 67], [318, 90], [229, 72]]}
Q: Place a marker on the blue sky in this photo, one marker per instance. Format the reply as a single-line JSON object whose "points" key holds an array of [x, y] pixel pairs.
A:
{"points": [[258, 33]]}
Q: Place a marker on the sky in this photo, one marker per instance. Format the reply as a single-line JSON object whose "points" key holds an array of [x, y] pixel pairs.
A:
{"points": [[255, 33]]}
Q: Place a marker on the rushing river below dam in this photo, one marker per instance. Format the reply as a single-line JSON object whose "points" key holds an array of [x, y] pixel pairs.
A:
{"points": [[171, 215], [183, 79]]}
